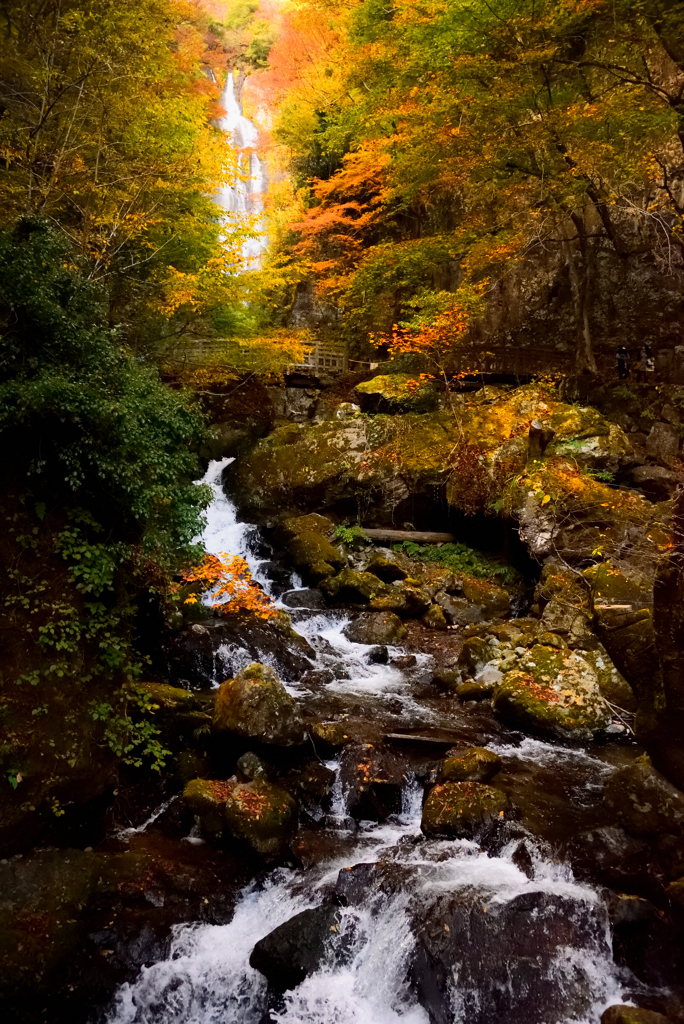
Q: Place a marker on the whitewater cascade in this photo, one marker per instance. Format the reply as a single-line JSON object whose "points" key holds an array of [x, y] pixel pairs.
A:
{"points": [[207, 978], [244, 199]]}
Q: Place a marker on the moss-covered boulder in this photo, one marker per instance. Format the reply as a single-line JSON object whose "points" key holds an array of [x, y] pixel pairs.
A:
{"points": [[309, 548], [493, 601], [350, 587], [612, 684], [563, 601], [552, 692], [643, 799], [396, 392], [462, 809], [262, 815], [622, 605], [388, 565], [256, 706], [472, 764], [434, 618], [328, 737], [475, 654], [257, 813], [376, 628]]}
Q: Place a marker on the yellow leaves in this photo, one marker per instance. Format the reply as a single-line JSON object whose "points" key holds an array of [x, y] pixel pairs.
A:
{"points": [[546, 499]]}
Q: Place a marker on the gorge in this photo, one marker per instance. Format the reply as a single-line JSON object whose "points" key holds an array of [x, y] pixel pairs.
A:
{"points": [[342, 489]]}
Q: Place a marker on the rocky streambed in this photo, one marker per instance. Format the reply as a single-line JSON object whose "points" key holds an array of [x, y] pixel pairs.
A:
{"points": [[415, 795]]}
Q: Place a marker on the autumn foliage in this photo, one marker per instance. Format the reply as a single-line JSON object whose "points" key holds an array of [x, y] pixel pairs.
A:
{"points": [[232, 587]]}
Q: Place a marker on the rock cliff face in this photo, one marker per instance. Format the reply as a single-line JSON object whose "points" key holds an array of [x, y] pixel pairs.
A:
{"points": [[522, 455]]}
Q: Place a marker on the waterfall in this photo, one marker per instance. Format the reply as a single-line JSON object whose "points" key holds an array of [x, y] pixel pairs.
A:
{"points": [[243, 200]]}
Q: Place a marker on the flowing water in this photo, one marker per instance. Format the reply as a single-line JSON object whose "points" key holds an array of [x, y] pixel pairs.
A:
{"points": [[243, 201], [207, 978]]}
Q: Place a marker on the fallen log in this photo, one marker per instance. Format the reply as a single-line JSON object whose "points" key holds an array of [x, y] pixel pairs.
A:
{"points": [[417, 536]]}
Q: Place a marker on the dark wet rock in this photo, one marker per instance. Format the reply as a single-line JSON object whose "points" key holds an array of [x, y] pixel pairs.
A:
{"points": [[358, 885], [620, 1014], [462, 809], [404, 661], [663, 443], [434, 618], [376, 628], [76, 924], [311, 784], [675, 892], [378, 655], [317, 677], [656, 482], [256, 706], [297, 948], [554, 693], [373, 780], [195, 659], [539, 438], [252, 766], [609, 855], [622, 606], [644, 801], [506, 957], [307, 598], [470, 764]]}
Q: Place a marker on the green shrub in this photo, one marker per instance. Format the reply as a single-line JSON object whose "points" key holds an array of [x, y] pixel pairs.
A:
{"points": [[461, 559]]}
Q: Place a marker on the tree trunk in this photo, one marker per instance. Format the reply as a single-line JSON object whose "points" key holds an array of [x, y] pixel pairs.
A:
{"points": [[579, 283]]}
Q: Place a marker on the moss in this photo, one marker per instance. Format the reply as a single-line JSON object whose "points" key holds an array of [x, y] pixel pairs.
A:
{"points": [[256, 705], [474, 655], [355, 587], [396, 392], [308, 549], [461, 809], [434, 618], [554, 692], [476, 764], [262, 815]]}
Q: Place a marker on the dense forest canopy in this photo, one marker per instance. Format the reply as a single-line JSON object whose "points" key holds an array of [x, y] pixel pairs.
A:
{"points": [[440, 147]]}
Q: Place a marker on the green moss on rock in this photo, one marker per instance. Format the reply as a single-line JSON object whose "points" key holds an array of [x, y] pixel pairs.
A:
{"points": [[460, 809], [255, 705], [396, 392], [473, 764], [553, 692]]}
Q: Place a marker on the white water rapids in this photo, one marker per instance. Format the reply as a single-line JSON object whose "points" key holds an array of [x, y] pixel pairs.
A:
{"points": [[207, 978]]}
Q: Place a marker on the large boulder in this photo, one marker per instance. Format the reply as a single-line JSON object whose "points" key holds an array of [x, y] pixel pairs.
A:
{"points": [[351, 587], [261, 815], [471, 764], [256, 706], [376, 628], [462, 809], [507, 960], [396, 392], [644, 801], [553, 692], [297, 948]]}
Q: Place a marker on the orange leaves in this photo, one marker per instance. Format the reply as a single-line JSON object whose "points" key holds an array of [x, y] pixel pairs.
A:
{"points": [[229, 577]]}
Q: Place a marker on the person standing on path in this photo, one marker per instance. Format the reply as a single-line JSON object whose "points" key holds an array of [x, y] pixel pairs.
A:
{"points": [[646, 363], [622, 361]]}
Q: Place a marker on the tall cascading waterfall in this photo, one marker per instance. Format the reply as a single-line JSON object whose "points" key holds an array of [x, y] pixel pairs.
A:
{"points": [[243, 201], [525, 941]]}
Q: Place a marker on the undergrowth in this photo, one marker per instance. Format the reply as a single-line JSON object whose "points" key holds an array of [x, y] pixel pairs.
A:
{"points": [[463, 559]]}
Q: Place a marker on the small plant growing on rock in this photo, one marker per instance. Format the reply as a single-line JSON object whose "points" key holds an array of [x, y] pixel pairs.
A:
{"points": [[352, 535]]}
